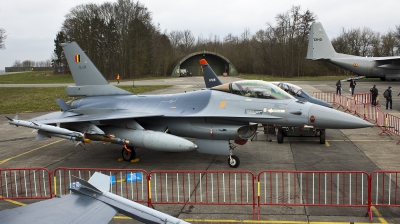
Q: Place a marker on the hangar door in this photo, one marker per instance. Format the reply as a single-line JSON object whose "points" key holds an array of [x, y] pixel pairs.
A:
{"points": [[218, 64]]}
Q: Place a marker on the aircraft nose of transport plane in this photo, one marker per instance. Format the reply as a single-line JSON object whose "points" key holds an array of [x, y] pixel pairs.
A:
{"points": [[323, 117]]}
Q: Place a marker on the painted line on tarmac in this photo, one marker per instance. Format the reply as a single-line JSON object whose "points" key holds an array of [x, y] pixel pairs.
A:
{"points": [[378, 215], [363, 140], [381, 219], [346, 140], [8, 159], [14, 202], [269, 221]]}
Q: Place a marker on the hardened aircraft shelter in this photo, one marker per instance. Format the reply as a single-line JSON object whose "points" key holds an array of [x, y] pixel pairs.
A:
{"points": [[189, 65]]}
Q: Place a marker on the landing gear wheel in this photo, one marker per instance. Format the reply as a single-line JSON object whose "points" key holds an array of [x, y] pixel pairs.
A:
{"points": [[233, 161], [279, 136], [382, 79], [128, 156], [322, 136]]}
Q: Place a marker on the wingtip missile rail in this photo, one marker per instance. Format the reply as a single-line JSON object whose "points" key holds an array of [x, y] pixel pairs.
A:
{"points": [[45, 127]]}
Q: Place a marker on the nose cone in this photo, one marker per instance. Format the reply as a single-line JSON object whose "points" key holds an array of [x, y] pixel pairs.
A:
{"points": [[323, 117]]}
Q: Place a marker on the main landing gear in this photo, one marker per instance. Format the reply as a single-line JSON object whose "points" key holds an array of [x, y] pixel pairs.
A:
{"points": [[233, 161], [128, 153], [297, 132], [322, 135]]}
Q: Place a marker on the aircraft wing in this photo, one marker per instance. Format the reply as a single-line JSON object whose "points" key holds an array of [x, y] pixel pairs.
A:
{"points": [[72, 208], [394, 58], [391, 63], [90, 203], [68, 117]]}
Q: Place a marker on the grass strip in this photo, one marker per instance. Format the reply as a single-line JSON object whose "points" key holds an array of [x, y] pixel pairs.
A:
{"points": [[26, 100]]}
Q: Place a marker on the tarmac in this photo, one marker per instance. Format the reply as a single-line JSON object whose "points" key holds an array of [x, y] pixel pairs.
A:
{"points": [[345, 150]]}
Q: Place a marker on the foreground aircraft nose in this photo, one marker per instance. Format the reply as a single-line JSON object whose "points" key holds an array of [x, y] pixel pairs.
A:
{"points": [[323, 117]]}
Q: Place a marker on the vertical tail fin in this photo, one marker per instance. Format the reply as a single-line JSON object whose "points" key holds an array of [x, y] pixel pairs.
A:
{"points": [[83, 70], [319, 45], [88, 79], [210, 78]]}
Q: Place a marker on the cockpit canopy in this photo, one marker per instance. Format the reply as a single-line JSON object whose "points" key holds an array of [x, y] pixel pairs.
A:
{"points": [[254, 89], [293, 90]]}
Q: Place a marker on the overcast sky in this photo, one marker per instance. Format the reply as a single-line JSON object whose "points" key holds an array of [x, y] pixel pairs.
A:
{"points": [[32, 25]]}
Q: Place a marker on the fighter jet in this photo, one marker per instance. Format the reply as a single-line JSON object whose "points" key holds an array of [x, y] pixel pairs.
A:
{"points": [[311, 130], [91, 202], [216, 118], [301, 94], [320, 48]]}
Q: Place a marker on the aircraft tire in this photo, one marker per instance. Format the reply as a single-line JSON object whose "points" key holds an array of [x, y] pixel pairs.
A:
{"points": [[128, 156], [234, 162], [322, 136], [279, 136], [382, 79]]}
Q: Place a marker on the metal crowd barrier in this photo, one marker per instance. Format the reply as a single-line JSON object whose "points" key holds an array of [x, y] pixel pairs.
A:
{"points": [[128, 183], [202, 187], [25, 183], [313, 188], [384, 190], [197, 187], [360, 105], [327, 97]]}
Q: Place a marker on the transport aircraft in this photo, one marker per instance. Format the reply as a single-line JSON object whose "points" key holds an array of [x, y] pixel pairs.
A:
{"points": [[216, 118], [90, 202], [320, 48]]}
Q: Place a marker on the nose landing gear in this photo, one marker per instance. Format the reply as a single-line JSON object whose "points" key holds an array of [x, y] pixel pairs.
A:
{"points": [[233, 161]]}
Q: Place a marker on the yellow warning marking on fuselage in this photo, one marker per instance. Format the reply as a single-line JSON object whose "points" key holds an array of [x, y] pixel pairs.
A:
{"points": [[8, 159], [378, 215]]}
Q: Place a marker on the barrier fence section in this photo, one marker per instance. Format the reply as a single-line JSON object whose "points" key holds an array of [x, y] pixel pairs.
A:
{"points": [[279, 188], [385, 188], [25, 183], [202, 187], [313, 188], [359, 105], [327, 97], [128, 183]]}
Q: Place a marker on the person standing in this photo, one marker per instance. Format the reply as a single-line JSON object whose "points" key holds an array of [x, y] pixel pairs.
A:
{"points": [[388, 97], [339, 87], [374, 93], [118, 78], [352, 86]]}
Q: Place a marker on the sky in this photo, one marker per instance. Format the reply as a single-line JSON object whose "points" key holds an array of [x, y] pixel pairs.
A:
{"points": [[31, 26]]}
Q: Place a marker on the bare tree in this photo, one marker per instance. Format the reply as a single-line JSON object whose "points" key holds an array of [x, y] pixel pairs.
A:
{"points": [[3, 36], [187, 42], [175, 37], [388, 46]]}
